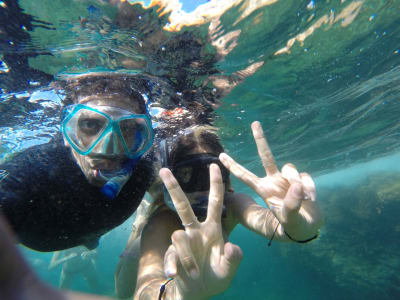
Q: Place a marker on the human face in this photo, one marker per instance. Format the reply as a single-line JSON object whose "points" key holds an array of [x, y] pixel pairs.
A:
{"points": [[193, 174], [103, 133]]}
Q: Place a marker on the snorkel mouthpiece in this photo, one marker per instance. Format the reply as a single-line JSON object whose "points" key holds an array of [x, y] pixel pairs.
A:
{"points": [[116, 179]]}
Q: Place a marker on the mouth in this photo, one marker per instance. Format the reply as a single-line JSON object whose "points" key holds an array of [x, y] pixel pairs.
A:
{"points": [[105, 164]]}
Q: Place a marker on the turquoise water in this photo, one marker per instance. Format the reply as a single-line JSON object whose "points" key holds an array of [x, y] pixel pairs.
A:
{"points": [[323, 77]]}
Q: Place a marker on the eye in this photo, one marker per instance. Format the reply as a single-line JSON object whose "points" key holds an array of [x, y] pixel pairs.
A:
{"points": [[90, 126], [184, 174], [127, 126]]}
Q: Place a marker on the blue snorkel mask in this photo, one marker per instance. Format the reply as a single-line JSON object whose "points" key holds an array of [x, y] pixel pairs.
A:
{"points": [[108, 132]]}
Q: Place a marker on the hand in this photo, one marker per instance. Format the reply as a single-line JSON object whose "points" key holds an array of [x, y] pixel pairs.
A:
{"points": [[70, 256], [17, 280], [199, 260], [88, 254], [290, 195]]}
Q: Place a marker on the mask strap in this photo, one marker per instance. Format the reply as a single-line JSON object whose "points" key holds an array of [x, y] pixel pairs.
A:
{"points": [[146, 103]]}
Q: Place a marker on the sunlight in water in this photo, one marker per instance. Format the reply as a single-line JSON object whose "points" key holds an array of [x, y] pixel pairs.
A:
{"points": [[346, 16]]}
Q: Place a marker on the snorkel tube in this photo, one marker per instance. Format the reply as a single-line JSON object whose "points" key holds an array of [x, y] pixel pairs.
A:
{"points": [[117, 179]]}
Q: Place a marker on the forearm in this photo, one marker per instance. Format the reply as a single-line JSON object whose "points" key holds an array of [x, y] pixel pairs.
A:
{"points": [[60, 261], [257, 218], [151, 290], [262, 221], [303, 226]]}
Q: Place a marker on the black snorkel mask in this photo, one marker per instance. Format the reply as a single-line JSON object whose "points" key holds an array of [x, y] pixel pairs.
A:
{"points": [[193, 175]]}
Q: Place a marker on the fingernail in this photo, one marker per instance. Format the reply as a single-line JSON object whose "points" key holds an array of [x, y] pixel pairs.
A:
{"points": [[224, 157]]}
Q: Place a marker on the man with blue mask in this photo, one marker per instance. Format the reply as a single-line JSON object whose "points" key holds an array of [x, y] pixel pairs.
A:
{"points": [[90, 178]]}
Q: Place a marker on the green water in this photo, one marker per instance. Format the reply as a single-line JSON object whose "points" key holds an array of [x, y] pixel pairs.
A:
{"points": [[329, 105]]}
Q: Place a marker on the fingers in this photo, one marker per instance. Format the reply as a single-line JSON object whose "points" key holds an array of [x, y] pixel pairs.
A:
{"points": [[295, 192], [239, 171], [216, 196], [181, 242], [291, 174], [233, 254], [232, 257], [170, 262], [179, 199], [264, 151], [309, 186], [292, 202]]}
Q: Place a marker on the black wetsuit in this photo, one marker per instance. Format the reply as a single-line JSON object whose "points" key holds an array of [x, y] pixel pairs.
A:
{"points": [[51, 205]]}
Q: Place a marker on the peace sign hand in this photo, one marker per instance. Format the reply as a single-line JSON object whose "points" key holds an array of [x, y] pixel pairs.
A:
{"points": [[199, 260], [290, 195]]}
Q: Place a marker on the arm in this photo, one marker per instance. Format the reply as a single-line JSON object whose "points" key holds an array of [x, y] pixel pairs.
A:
{"points": [[127, 268], [155, 241], [56, 260], [89, 254], [253, 216], [143, 213], [290, 195], [17, 279]]}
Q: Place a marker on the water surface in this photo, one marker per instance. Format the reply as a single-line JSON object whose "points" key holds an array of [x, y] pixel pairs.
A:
{"points": [[323, 77]]}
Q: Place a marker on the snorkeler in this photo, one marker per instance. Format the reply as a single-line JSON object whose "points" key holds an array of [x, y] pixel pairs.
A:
{"points": [[192, 173], [18, 279], [74, 261], [89, 179], [293, 215], [198, 259]]}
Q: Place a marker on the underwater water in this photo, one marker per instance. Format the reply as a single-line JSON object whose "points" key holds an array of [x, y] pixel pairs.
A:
{"points": [[323, 78]]}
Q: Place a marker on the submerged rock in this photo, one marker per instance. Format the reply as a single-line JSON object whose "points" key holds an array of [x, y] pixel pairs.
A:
{"points": [[357, 254]]}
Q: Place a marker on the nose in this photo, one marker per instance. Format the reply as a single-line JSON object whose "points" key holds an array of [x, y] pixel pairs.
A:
{"points": [[110, 144]]}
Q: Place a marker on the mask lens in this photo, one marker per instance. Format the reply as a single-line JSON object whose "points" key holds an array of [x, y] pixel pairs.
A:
{"points": [[183, 174], [107, 131], [193, 172], [84, 127], [136, 134]]}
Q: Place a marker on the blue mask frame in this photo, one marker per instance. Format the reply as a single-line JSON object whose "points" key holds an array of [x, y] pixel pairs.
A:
{"points": [[113, 126]]}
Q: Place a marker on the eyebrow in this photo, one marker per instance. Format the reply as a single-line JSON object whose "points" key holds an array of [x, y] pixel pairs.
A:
{"points": [[133, 105]]}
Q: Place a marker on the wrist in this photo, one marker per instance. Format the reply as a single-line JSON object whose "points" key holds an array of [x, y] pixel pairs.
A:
{"points": [[184, 293]]}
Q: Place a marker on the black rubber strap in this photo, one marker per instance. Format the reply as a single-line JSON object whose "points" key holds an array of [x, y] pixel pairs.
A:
{"points": [[273, 235], [301, 242], [290, 238], [162, 288]]}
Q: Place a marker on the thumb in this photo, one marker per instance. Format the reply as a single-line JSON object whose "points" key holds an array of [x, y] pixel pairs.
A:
{"points": [[292, 201], [170, 262], [232, 257]]}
